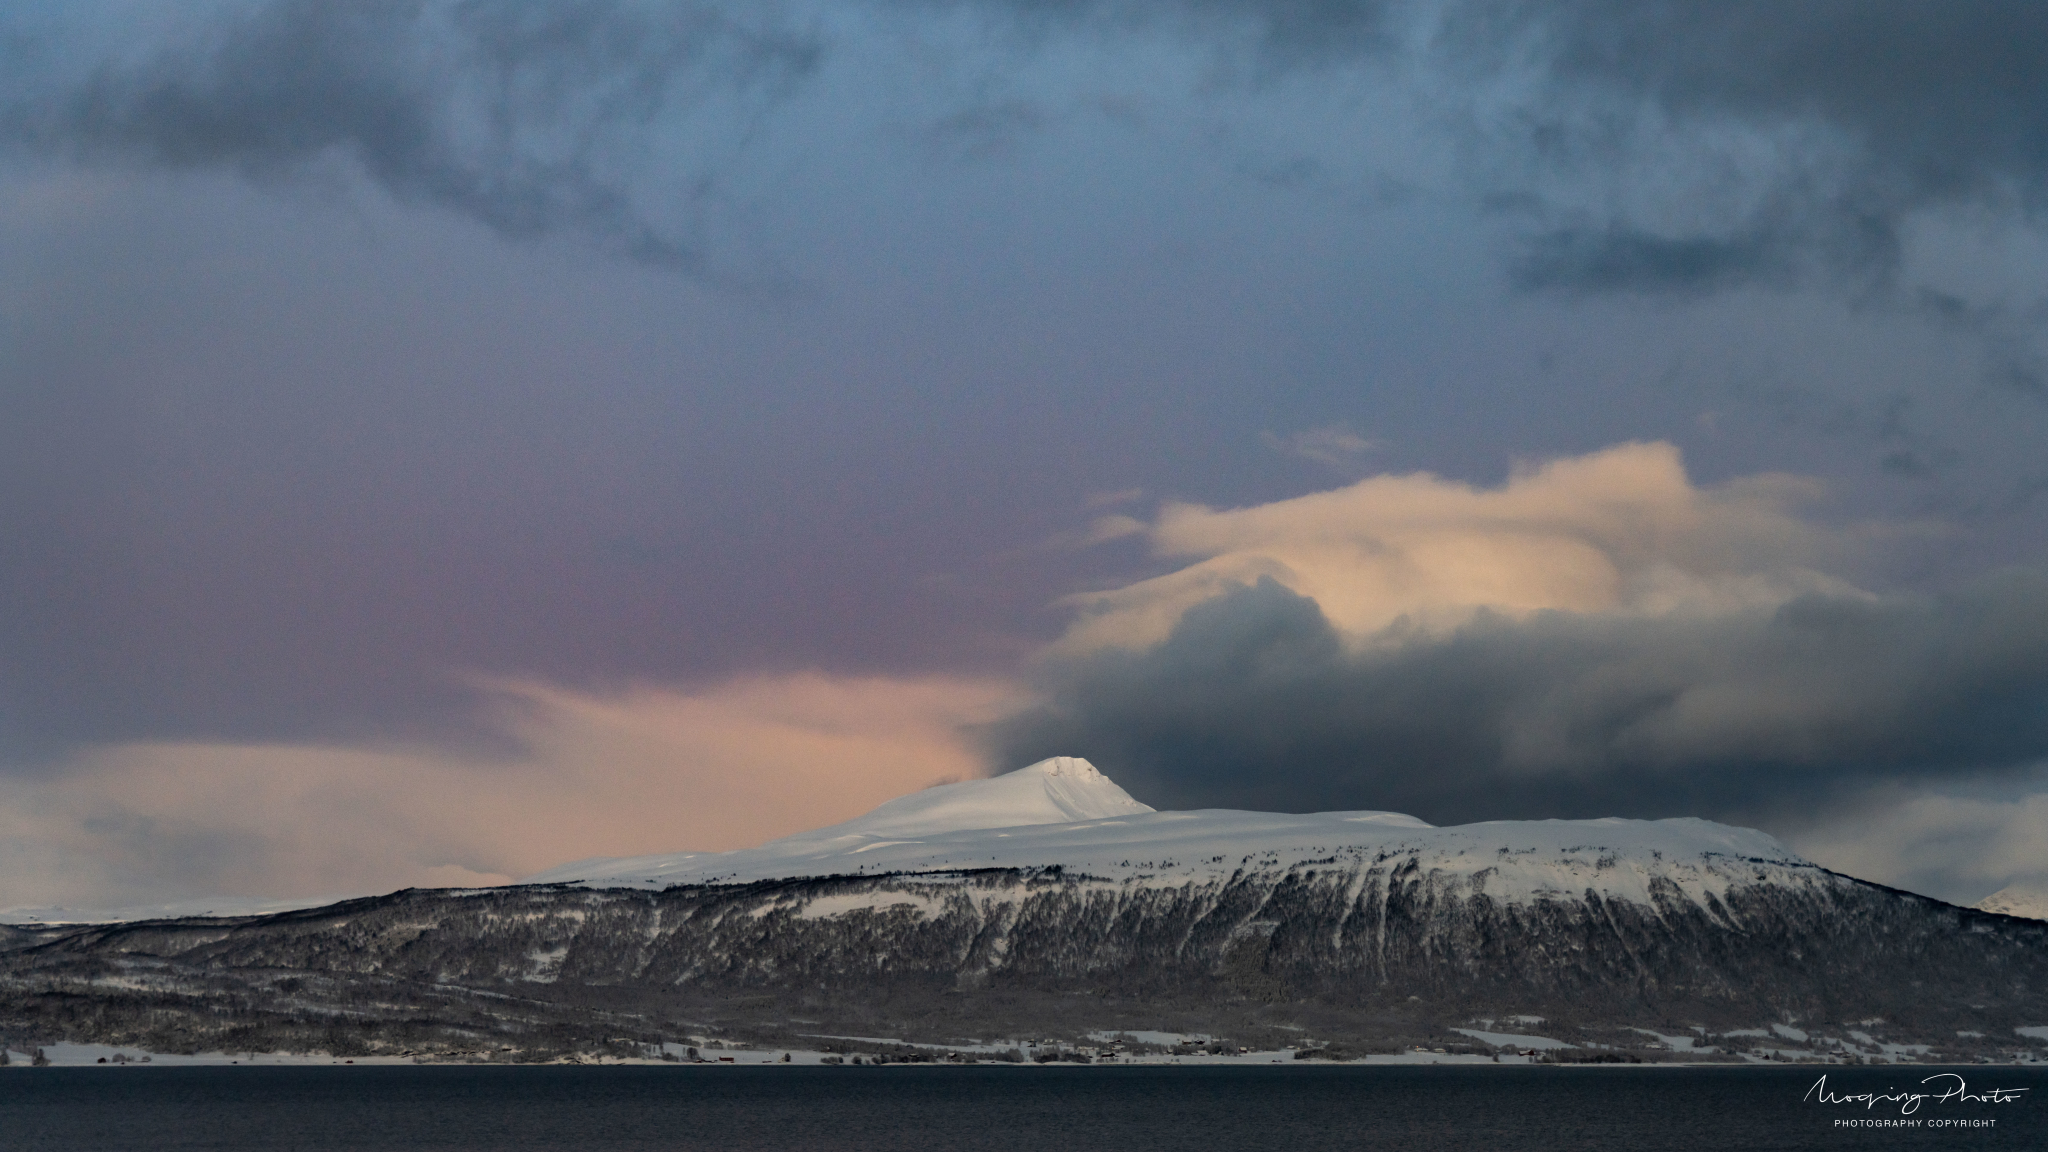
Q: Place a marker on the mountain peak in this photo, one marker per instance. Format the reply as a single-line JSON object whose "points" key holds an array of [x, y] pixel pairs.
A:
{"points": [[1059, 790], [2028, 900], [1064, 766]]}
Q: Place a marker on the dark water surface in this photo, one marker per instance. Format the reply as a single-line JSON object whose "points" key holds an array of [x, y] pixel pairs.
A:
{"points": [[1132, 1109]]}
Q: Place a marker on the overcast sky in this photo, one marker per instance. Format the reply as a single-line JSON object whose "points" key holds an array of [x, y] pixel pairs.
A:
{"points": [[440, 440]]}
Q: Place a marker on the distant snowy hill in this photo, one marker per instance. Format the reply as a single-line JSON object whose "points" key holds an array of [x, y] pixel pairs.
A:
{"points": [[2028, 900], [197, 906]]}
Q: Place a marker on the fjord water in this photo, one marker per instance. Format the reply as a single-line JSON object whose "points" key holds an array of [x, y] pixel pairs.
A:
{"points": [[997, 1109]]}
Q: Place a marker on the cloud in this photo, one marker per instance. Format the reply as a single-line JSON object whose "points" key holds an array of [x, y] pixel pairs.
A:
{"points": [[1103, 529], [1623, 529], [533, 118], [646, 770], [1661, 146], [1598, 636], [611, 120], [1644, 146], [985, 131], [1738, 142], [1617, 258], [1334, 445], [1957, 847], [1112, 499], [1263, 36], [1255, 700]]}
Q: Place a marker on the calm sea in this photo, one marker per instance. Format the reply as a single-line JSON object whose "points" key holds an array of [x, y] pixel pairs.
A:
{"points": [[1135, 1109]]}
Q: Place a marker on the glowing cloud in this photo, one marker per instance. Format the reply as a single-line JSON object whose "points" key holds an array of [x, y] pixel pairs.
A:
{"points": [[1621, 530], [640, 771]]}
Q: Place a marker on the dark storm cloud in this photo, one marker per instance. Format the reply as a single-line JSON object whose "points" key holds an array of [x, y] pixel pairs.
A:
{"points": [[1279, 33], [1921, 104], [1879, 109], [531, 116], [544, 116], [1621, 259], [527, 117], [1255, 702]]}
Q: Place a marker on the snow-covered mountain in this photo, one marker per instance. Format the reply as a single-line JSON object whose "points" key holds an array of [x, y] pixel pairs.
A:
{"points": [[1064, 813], [1064, 790], [1048, 902]]}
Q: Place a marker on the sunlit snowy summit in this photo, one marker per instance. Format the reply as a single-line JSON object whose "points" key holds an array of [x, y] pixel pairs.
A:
{"points": [[1064, 813]]}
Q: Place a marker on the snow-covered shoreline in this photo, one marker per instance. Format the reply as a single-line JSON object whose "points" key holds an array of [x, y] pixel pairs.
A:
{"points": [[103, 1056], [93, 1055], [66, 1055]]}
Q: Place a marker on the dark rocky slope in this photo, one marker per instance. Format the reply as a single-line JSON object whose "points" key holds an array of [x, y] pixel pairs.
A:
{"points": [[1367, 957]]}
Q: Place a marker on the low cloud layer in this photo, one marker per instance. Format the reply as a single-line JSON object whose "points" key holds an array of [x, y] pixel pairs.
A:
{"points": [[599, 775], [1731, 681], [1956, 846]]}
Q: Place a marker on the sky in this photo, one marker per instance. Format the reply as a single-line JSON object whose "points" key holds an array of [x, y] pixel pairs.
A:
{"points": [[439, 440]]}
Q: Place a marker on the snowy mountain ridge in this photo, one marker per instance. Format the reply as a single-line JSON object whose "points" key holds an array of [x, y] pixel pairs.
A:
{"points": [[1063, 813], [174, 909]]}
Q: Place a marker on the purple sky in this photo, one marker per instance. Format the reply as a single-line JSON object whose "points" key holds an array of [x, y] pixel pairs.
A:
{"points": [[351, 357]]}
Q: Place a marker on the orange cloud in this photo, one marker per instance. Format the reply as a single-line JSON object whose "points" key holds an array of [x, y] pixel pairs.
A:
{"points": [[1623, 529], [646, 770]]}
